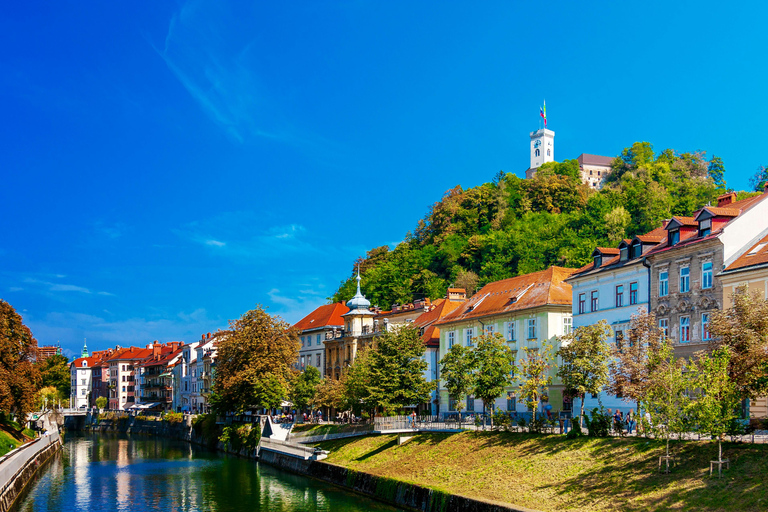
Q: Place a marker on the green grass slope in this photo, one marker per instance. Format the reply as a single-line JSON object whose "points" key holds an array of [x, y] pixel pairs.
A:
{"points": [[551, 473]]}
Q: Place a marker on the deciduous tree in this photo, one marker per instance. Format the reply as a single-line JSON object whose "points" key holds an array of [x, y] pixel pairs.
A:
{"points": [[396, 370], [534, 375], [495, 369], [19, 379], [304, 388], [254, 364], [584, 356], [457, 371], [54, 371], [714, 408], [743, 329], [633, 359]]}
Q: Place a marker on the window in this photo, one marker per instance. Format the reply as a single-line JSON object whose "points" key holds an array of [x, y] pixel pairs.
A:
{"points": [[705, 227], [567, 325], [511, 335], [451, 403], [317, 360], [582, 303], [82, 381], [451, 339], [664, 326], [685, 329], [82, 391], [537, 152], [623, 254], [318, 340], [685, 279], [619, 338], [511, 402], [470, 404], [674, 237], [706, 275], [705, 327], [593, 304], [637, 250], [469, 335], [123, 378], [619, 295], [489, 329], [531, 328], [663, 284], [549, 152], [598, 260], [633, 293], [123, 367]]}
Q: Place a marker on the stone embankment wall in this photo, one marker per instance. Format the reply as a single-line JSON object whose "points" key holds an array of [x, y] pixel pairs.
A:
{"points": [[182, 431], [18, 467], [400, 494]]}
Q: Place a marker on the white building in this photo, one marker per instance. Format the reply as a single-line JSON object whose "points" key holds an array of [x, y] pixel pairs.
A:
{"points": [[613, 287], [185, 378]]}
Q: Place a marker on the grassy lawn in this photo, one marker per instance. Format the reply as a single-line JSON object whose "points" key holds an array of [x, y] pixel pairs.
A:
{"points": [[551, 473], [11, 437], [308, 429]]}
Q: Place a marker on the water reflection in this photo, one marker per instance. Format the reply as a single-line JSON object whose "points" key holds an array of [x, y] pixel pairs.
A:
{"points": [[103, 473]]}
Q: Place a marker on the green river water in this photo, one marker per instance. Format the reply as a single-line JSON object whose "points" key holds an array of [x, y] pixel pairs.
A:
{"points": [[111, 473]]}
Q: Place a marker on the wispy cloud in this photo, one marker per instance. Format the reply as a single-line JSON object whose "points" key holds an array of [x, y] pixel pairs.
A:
{"points": [[215, 243], [37, 284]]}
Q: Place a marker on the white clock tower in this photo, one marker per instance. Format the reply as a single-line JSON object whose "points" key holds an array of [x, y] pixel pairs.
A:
{"points": [[542, 150]]}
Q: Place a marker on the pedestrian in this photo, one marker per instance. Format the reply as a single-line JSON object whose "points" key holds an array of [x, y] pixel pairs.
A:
{"points": [[413, 419], [630, 421], [617, 422]]}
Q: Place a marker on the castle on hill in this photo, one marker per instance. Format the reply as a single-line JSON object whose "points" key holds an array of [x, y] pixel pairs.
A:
{"points": [[594, 168]]}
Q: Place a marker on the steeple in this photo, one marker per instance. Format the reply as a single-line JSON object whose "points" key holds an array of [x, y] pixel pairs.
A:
{"points": [[84, 353], [358, 301]]}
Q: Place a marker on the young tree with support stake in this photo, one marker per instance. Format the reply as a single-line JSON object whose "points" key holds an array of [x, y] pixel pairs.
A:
{"points": [[457, 371], [666, 394], [585, 354], [534, 375], [495, 369], [714, 409]]}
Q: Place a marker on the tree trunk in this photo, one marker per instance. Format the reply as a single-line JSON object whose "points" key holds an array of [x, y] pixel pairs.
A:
{"points": [[720, 451], [581, 412], [491, 419]]}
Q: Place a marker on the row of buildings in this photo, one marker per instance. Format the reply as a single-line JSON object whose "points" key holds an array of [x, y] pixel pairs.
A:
{"points": [[682, 271], [172, 376]]}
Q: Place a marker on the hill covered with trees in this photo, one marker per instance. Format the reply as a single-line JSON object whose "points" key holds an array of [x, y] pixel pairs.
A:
{"points": [[513, 226]]}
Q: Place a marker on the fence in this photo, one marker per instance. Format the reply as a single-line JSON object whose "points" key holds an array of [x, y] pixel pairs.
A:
{"points": [[15, 461]]}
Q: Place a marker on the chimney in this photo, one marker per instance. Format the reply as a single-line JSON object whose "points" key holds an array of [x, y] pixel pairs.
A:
{"points": [[203, 338], [209, 335], [726, 199], [457, 294]]}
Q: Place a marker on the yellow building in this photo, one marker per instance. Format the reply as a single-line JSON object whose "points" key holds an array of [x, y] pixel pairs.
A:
{"points": [[528, 310]]}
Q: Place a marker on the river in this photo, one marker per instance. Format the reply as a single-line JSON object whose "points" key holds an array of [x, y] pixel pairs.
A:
{"points": [[100, 472]]}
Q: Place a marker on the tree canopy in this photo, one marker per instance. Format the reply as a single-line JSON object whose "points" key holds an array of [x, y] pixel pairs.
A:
{"points": [[19, 379], [54, 371], [255, 363], [512, 226]]}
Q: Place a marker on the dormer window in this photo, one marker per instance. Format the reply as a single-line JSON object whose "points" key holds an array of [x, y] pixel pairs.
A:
{"points": [[598, 260], [636, 250], [623, 253], [705, 227], [674, 237]]}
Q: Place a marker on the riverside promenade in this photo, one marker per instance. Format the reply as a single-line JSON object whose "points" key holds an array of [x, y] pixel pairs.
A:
{"points": [[17, 467]]}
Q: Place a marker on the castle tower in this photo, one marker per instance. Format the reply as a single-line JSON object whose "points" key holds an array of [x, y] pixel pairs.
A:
{"points": [[542, 150]]}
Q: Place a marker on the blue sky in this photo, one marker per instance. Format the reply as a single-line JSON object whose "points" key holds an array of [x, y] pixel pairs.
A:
{"points": [[168, 166]]}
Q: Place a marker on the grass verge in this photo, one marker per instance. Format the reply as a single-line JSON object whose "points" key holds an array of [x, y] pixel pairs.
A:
{"points": [[552, 473]]}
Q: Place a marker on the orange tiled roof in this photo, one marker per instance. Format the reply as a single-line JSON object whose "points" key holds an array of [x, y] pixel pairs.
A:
{"points": [[686, 221], [756, 255], [722, 212], [92, 361], [130, 353], [440, 308], [329, 314], [608, 250], [530, 290]]}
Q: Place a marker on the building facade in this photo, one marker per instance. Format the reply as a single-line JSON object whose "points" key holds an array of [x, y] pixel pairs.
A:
{"points": [[685, 284], [528, 311], [324, 323]]}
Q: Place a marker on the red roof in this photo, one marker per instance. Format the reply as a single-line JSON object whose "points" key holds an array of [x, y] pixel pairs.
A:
{"points": [[546, 287], [327, 315], [133, 353], [756, 255], [440, 308]]}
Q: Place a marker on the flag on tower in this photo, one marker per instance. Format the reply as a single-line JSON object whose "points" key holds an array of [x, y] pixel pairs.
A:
{"points": [[543, 113]]}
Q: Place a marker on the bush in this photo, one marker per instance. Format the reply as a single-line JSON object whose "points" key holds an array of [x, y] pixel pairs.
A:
{"points": [[501, 420], [205, 426], [173, 417], [599, 424], [244, 436], [575, 429]]}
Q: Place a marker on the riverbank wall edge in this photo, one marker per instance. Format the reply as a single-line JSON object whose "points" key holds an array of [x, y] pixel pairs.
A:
{"points": [[13, 484], [394, 492]]}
